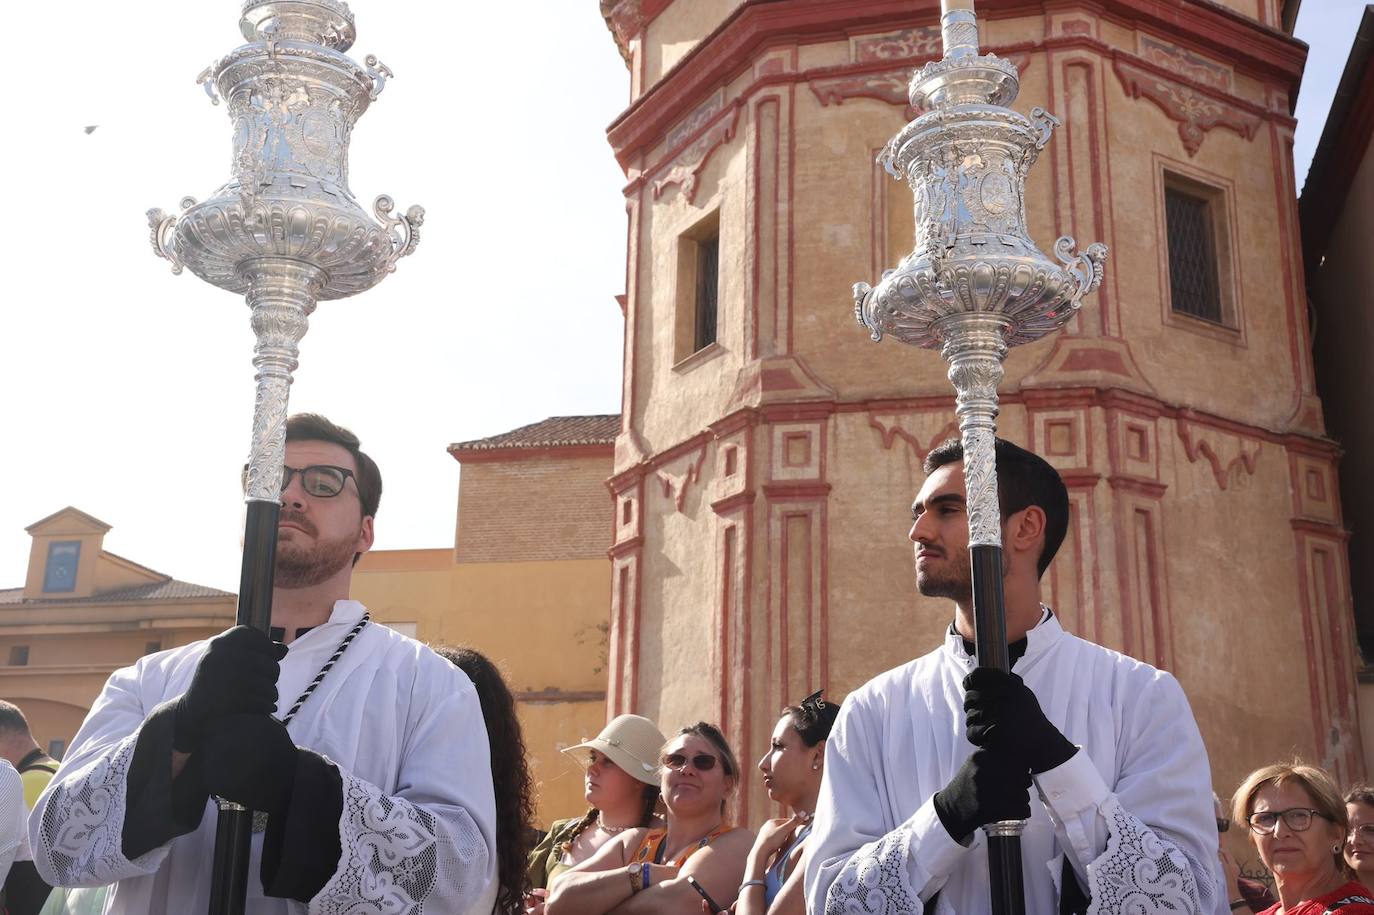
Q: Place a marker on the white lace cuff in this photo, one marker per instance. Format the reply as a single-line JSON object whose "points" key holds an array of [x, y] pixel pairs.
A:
{"points": [[390, 855], [79, 840], [1140, 872], [888, 877]]}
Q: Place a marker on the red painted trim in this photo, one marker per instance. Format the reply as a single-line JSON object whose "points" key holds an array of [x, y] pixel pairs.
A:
{"points": [[796, 490], [1147, 488], [730, 49], [499, 455]]}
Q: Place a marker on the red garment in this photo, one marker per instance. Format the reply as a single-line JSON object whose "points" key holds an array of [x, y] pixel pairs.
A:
{"points": [[1361, 902]]}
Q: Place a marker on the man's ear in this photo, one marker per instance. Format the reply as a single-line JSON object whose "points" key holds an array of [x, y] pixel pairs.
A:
{"points": [[1025, 530], [365, 536]]}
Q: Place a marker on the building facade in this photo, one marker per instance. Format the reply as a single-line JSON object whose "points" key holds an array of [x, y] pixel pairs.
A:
{"points": [[1337, 211], [769, 451], [527, 583], [83, 613]]}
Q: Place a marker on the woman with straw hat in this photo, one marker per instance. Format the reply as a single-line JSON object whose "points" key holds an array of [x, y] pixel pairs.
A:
{"points": [[622, 787]]}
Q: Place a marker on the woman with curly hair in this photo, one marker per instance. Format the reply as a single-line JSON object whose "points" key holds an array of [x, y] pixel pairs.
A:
{"points": [[510, 776]]}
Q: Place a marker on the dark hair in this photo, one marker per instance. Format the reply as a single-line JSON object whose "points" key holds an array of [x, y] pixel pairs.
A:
{"points": [[510, 776], [649, 804], [813, 718], [1023, 479], [1360, 794], [717, 740], [312, 427], [12, 719]]}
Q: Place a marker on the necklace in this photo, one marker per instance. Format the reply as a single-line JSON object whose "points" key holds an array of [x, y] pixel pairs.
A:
{"points": [[260, 817], [611, 829]]}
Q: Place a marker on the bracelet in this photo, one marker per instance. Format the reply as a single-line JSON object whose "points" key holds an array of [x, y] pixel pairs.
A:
{"points": [[633, 873], [748, 883], [644, 876], [1238, 903]]}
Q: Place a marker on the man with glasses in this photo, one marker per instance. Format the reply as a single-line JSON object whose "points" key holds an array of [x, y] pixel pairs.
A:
{"points": [[363, 752], [923, 755]]}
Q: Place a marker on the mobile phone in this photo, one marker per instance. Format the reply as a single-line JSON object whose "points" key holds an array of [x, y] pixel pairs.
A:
{"points": [[701, 891]]}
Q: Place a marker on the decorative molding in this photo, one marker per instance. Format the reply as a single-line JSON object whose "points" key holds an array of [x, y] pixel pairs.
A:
{"points": [[693, 159], [675, 484], [923, 41], [889, 429], [1227, 454], [1184, 62], [696, 120], [888, 86], [1195, 112]]}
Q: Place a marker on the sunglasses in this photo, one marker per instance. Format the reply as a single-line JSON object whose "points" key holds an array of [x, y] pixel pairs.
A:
{"points": [[702, 762], [322, 481]]}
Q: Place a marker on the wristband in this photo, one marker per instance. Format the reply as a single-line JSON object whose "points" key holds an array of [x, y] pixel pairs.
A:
{"points": [[644, 876], [633, 873], [748, 883], [1238, 903]]}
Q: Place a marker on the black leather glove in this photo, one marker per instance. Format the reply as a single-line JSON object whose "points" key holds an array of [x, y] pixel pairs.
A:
{"points": [[1002, 714], [988, 787], [251, 760], [236, 675]]}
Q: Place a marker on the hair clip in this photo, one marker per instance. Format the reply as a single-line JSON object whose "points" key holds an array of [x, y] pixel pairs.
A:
{"points": [[813, 705]]}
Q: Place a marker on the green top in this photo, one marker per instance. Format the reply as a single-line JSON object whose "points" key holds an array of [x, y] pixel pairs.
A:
{"points": [[546, 860]]}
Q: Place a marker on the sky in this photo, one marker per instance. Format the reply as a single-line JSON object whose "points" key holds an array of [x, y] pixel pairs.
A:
{"points": [[128, 391]]}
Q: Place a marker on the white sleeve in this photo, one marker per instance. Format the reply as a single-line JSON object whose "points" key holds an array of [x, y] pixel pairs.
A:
{"points": [[858, 860], [12, 817], [1151, 839], [431, 846]]}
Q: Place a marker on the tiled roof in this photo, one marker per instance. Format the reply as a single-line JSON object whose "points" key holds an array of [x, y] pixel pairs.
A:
{"points": [[169, 590], [556, 431]]}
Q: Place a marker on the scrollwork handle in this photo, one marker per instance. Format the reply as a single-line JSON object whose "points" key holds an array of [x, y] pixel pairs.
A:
{"points": [[379, 72], [206, 80], [862, 291], [162, 229], [1046, 123], [1086, 267], [403, 230]]}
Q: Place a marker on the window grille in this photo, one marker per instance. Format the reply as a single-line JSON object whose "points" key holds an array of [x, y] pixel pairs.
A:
{"points": [[708, 267], [1194, 288]]}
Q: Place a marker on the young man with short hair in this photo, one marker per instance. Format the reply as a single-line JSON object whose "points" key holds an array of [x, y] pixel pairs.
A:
{"points": [[924, 755], [375, 784]]}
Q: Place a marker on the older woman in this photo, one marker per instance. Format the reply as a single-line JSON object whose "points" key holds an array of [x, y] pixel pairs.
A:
{"points": [[792, 771], [1359, 843], [622, 788], [1298, 824], [647, 870]]}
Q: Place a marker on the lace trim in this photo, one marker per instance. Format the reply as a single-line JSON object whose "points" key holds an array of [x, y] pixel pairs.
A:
{"points": [[1141, 873], [873, 881], [390, 856], [84, 819]]}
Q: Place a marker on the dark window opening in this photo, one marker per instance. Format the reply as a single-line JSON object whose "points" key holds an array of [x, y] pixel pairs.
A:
{"points": [[1194, 284], [19, 656], [708, 269]]}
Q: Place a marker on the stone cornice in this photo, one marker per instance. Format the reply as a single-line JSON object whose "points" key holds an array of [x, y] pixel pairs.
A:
{"points": [[730, 48]]}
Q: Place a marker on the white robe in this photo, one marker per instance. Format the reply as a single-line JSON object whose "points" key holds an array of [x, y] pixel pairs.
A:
{"points": [[402, 725], [1131, 811], [13, 845]]}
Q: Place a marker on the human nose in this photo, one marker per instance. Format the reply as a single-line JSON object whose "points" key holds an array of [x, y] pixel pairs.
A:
{"points": [[920, 529], [764, 767]]}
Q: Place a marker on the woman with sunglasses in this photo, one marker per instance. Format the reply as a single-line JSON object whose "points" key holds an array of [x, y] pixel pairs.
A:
{"points": [[648, 870], [792, 770], [1298, 824], [1359, 844], [621, 785]]}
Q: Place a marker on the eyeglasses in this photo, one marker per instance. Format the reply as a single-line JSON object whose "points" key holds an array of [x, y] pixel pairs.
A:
{"points": [[1364, 832], [702, 762], [1298, 819], [323, 481], [1223, 824]]}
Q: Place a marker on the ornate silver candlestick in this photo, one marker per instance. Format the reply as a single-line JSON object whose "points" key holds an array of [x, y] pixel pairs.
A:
{"points": [[286, 233], [974, 285]]}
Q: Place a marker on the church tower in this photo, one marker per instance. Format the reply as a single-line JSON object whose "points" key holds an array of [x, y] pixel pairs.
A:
{"points": [[769, 452]]}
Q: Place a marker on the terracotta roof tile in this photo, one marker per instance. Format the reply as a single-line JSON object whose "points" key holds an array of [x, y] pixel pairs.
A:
{"points": [[556, 431], [170, 590]]}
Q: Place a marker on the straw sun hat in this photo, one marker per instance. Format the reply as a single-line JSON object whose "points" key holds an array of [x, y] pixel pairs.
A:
{"points": [[629, 741]]}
